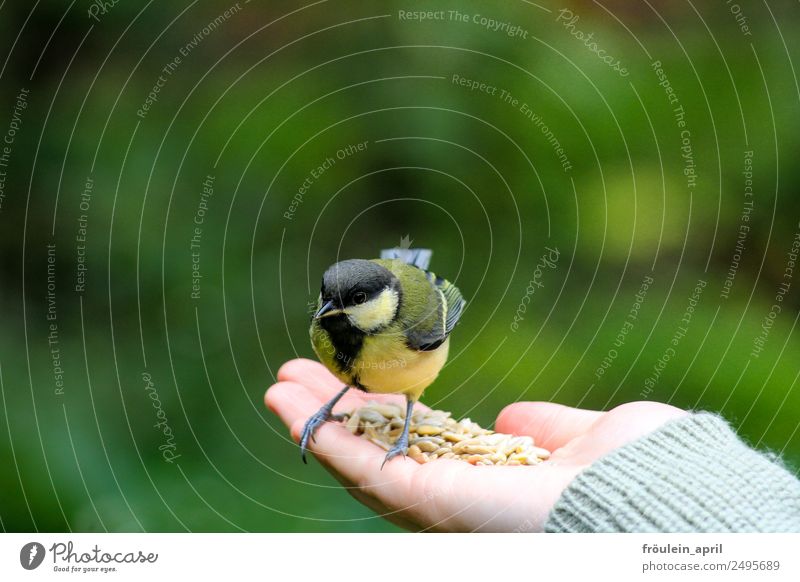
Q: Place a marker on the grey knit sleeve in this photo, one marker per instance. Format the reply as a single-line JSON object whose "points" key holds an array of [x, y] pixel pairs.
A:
{"points": [[691, 475]]}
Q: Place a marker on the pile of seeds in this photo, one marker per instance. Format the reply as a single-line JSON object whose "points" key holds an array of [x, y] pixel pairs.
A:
{"points": [[434, 435]]}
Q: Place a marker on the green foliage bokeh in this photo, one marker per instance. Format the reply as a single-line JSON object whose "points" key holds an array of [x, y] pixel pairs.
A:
{"points": [[259, 104]]}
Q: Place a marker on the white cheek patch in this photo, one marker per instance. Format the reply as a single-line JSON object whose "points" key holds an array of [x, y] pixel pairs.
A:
{"points": [[375, 313]]}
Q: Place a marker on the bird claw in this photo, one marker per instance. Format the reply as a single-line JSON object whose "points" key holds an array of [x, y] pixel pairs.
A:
{"points": [[399, 449], [311, 426]]}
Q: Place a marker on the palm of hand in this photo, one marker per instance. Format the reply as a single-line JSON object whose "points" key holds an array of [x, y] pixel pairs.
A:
{"points": [[450, 495]]}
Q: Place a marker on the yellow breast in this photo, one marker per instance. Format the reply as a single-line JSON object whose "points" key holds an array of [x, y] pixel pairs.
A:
{"points": [[398, 370]]}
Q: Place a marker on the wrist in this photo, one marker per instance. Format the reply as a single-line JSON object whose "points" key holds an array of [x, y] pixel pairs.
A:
{"points": [[691, 475]]}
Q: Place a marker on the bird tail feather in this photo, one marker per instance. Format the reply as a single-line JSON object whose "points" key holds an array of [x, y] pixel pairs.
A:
{"points": [[418, 257]]}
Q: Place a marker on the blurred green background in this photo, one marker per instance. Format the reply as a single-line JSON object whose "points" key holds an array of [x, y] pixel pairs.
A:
{"points": [[261, 96]]}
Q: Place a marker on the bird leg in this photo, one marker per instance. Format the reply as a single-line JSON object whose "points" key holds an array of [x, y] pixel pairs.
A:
{"points": [[401, 445], [322, 415]]}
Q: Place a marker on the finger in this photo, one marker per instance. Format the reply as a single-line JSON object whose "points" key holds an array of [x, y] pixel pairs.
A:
{"points": [[339, 448], [551, 425], [359, 462], [294, 404], [325, 385], [312, 375], [291, 402]]}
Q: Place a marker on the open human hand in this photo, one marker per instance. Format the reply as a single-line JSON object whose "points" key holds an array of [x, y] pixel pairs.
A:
{"points": [[451, 495]]}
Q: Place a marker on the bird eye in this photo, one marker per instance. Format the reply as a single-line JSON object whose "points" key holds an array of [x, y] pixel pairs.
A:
{"points": [[359, 298]]}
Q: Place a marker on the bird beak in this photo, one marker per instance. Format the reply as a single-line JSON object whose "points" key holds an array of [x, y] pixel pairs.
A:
{"points": [[325, 310]]}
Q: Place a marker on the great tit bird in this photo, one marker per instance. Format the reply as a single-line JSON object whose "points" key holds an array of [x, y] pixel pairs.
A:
{"points": [[383, 326]]}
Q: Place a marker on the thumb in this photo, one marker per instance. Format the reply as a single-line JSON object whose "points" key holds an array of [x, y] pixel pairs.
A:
{"points": [[551, 425]]}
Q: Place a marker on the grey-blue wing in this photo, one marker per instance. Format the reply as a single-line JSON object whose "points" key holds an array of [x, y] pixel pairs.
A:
{"points": [[450, 305]]}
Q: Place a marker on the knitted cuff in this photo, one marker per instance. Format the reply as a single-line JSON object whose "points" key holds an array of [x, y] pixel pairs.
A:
{"points": [[691, 475]]}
